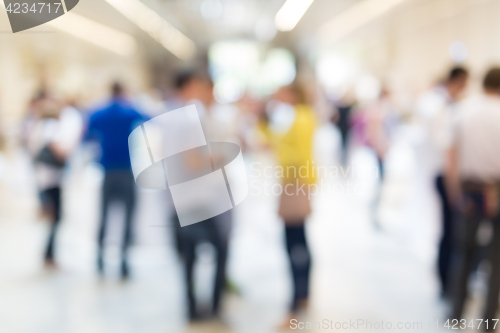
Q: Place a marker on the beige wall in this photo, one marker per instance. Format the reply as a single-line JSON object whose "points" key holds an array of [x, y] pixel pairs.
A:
{"points": [[408, 47], [71, 68]]}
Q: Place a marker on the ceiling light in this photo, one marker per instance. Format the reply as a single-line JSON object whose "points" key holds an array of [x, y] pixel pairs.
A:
{"points": [[458, 51], [290, 14], [95, 33], [156, 26]]}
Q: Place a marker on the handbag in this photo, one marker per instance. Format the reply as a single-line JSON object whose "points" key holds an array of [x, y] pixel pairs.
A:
{"points": [[47, 156]]}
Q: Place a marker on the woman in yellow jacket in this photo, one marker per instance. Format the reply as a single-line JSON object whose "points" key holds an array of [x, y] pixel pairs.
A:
{"points": [[290, 131]]}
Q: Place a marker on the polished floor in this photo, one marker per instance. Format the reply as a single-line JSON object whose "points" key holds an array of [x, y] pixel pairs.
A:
{"points": [[366, 268]]}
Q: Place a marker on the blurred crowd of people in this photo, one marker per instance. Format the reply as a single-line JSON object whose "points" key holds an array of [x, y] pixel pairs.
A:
{"points": [[461, 139]]}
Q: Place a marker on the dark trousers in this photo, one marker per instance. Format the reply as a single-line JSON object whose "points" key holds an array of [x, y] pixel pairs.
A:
{"points": [[51, 201], [189, 237], [468, 249], [378, 194], [118, 186], [300, 262], [446, 245], [344, 128]]}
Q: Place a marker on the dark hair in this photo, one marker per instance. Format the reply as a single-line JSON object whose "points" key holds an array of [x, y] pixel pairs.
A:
{"points": [[492, 79], [183, 78], [457, 73], [299, 92], [40, 95], [117, 89]]}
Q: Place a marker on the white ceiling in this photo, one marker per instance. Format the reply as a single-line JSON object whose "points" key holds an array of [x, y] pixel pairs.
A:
{"points": [[239, 17], [237, 20]]}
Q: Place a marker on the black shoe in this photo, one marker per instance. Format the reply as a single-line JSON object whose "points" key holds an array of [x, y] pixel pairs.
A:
{"points": [[125, 271], [445, 295], [194, 317], [100, 265]]}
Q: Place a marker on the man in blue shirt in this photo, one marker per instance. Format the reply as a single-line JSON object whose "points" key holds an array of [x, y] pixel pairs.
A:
{"points": [[110, 127]]}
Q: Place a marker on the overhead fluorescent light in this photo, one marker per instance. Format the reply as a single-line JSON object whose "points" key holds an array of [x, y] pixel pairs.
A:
{"points": [[290, 14], [95, 33], [355, 17], [156, 26]]}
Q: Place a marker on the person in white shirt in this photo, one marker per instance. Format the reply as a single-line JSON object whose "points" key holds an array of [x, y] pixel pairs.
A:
{"points": [[51, 133], [436, 110], [473, 177]]}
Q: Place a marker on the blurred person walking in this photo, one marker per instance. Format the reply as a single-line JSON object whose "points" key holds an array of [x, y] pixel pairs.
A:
{"points": [[190, 88], [197, 88], [342, 119], [473, 177], [291, 128], [372, 127], [51, 133], [436, 111], [110, 126]]}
